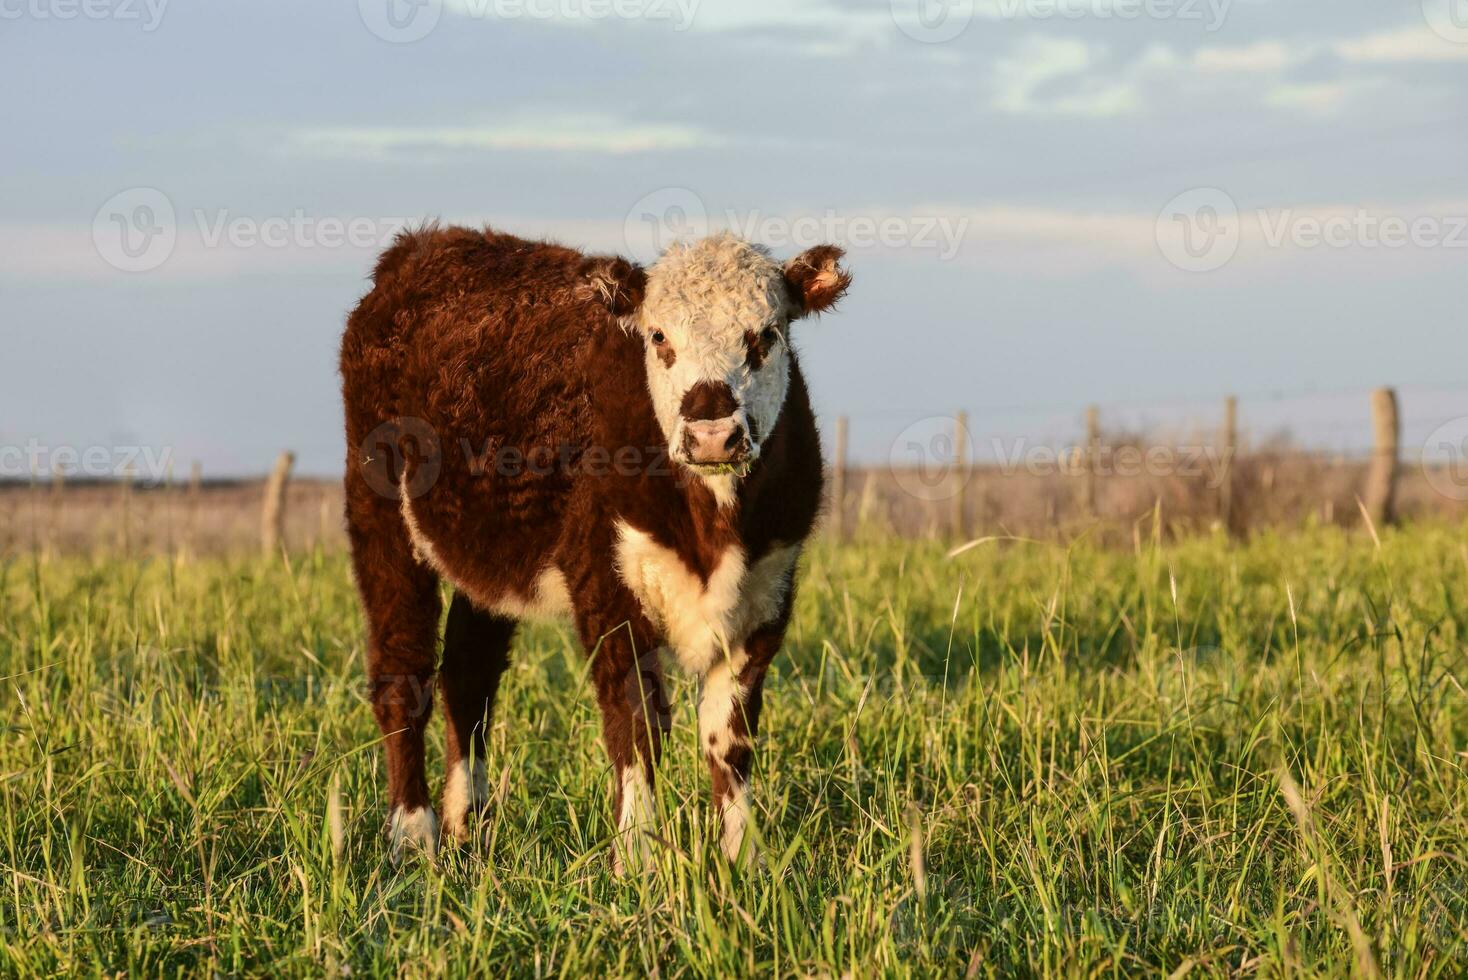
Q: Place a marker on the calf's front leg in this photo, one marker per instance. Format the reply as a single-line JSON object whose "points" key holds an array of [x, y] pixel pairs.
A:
{"points": [[728, 721]]}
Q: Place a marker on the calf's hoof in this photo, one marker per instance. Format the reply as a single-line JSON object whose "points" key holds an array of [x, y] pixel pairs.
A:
{"points": [[465, 792], [633, 854], [412, 831]]}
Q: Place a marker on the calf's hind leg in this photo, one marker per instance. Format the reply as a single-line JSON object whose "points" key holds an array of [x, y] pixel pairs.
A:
{"points": [[635, 719], [476, 651], [401, 602]]}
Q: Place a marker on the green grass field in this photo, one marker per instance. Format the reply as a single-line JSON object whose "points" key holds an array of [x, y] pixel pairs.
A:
{"points": [[1028, 759]]}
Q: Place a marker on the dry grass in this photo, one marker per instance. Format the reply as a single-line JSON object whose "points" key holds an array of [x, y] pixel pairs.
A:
{"points": [[1275, 489]]}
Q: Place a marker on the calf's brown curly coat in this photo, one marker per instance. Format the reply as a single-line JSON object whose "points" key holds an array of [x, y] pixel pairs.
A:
{"points": [[505, 436]]}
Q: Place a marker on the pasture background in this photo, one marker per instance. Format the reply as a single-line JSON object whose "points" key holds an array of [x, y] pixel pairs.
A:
{"points": [[1179, 755], [1282, 490]]}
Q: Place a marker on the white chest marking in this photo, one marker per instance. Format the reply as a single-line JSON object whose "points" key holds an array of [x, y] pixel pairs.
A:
{"points": [[703, 621]]}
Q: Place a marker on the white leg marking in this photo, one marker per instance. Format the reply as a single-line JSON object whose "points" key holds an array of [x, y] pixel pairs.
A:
{"points": [[633, 850], [465, 789], [722, 697], [735, 815], [412, 830]]}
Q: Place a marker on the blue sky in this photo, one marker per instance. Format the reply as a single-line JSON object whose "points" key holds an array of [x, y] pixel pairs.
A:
{"points": [[1141, 203]]}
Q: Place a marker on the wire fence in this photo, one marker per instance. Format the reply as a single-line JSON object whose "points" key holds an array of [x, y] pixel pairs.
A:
{"points": [[1190, 465]]}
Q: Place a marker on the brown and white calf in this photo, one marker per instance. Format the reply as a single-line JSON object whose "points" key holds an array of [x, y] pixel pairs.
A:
{"points": [[554, 434]]}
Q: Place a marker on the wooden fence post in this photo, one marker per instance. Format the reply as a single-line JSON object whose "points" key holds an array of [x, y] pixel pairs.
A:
{"points": [[168, 515], [37, 551], [329, 520], [53, 519], [838, 480], [125, 506], [866, 501], [1229, 445], [272, 524], [1093, 459], [190, 547], [960, 473], [1381, 480]]}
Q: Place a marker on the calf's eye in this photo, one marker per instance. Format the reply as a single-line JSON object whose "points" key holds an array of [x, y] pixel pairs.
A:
{"points": [[659, 338], [769, 336]]}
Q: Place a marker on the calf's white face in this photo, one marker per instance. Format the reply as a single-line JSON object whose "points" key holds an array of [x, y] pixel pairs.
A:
{"points": [[715, 320]]}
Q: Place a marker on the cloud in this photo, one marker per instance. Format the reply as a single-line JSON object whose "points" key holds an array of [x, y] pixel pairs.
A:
{"points": [[1263, 57], [1322, 98], [1402, 46], [581, 134], [1410, 44], [1054, 76], [1027, 80]]}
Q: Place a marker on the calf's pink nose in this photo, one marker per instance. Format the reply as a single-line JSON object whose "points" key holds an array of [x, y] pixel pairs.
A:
{"points": [[716, 441]]}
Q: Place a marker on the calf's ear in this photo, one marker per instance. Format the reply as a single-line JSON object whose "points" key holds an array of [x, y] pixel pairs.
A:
{"points": [[616, 283], [816, 279]]}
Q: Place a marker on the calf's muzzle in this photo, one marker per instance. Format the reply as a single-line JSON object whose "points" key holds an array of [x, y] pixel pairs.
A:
{"points": [[712, 432]]}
